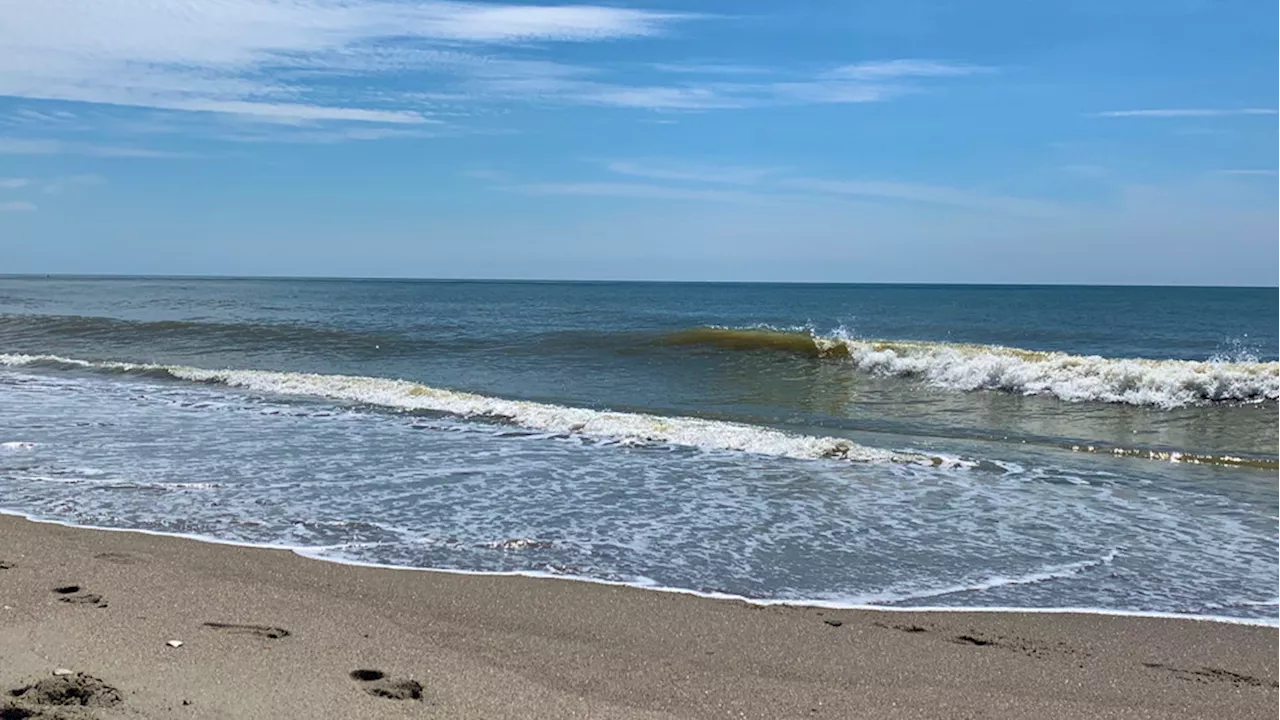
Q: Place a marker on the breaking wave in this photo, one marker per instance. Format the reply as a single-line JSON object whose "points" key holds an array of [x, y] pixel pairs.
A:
{"points": [[630, 428], [968, 367]]}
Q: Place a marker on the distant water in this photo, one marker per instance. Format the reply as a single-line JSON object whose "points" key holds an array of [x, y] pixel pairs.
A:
{"points": [[908, 446]]}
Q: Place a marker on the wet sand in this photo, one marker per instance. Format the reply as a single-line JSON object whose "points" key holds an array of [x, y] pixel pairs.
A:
{"points": [[269, 634]]}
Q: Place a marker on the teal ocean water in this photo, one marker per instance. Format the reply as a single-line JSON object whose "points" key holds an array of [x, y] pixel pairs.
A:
{"points": [[1106, 449]]}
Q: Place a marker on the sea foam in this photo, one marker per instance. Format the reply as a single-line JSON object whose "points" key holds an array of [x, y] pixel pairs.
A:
{"points": [[405, 395]]}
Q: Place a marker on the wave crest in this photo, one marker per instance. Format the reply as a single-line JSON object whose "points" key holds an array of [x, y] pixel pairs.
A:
{"points": [[759, 338], [969, 367], [404, 395]]}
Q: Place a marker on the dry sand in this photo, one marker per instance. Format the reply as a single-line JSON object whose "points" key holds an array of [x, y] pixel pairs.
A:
{"points": [[269, 634]]}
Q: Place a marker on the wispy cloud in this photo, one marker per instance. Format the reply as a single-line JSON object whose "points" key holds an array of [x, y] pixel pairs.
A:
{"points": [[292, 62], [13, 183], [770, 185], [250, 58], [695, 90], [257, 133], [1186, 112], [632, 190], [711, 68], [1269, 173], [58, 185], [927, 194], [689, 172], [17, 206], [42, 146], [904, 68]]}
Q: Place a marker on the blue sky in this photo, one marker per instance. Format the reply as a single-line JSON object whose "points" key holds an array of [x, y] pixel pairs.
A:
{"points": [[906, 141]]}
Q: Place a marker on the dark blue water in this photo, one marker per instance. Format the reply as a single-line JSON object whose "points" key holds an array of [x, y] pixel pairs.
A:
{"points": [[912, 445]]}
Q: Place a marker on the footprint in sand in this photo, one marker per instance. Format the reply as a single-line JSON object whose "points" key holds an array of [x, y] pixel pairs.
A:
{"points": [[118, 558], [377, 684], [75, 595], [1211, 675], [263, 631], [906, 627], [6, 565]]}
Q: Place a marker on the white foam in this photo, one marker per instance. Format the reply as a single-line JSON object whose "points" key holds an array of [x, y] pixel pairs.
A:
{"points": [[1056, 572], [622, 426], [1074, 378], [123, 484], [644, 583], [17, 445]]}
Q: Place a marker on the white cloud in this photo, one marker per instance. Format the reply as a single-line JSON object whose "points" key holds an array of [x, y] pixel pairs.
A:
{"points": [[13, 183], [42, 146], [17, 206], [1186, 112], [59, 184], [711, 68], [30, 115], [769, 185], [690, 172], [929, 194], [224, 56], [567, 84], [1269, 173], [502, 23], [257, 133], [290, 62], [635, 190], [905, 68], [292, 112]]}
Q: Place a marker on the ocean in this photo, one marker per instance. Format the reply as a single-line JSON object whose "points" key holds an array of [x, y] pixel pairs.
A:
{"points": [[1107, 449]]}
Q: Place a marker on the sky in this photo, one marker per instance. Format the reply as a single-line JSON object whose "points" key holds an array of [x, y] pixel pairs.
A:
{"points": [[1090, 141]]}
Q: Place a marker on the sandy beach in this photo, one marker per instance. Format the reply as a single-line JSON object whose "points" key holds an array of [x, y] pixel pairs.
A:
{"points": [[88, 617]]}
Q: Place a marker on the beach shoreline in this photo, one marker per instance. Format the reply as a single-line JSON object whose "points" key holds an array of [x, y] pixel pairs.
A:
{"points": [[311, 554], [270, 633]]}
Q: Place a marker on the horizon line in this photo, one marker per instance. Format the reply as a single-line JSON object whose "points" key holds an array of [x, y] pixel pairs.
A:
{"points": [[562, 281]]}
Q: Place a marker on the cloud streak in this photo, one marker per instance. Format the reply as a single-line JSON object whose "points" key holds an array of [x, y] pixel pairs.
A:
{"points": [[1265, 173], [343, 63], [690, 172], [694, 90], [905, 68], [1185, 112], [926, 194], [744, 185], [633, 190], [225, 56], [17, 206], [41, 146]]}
